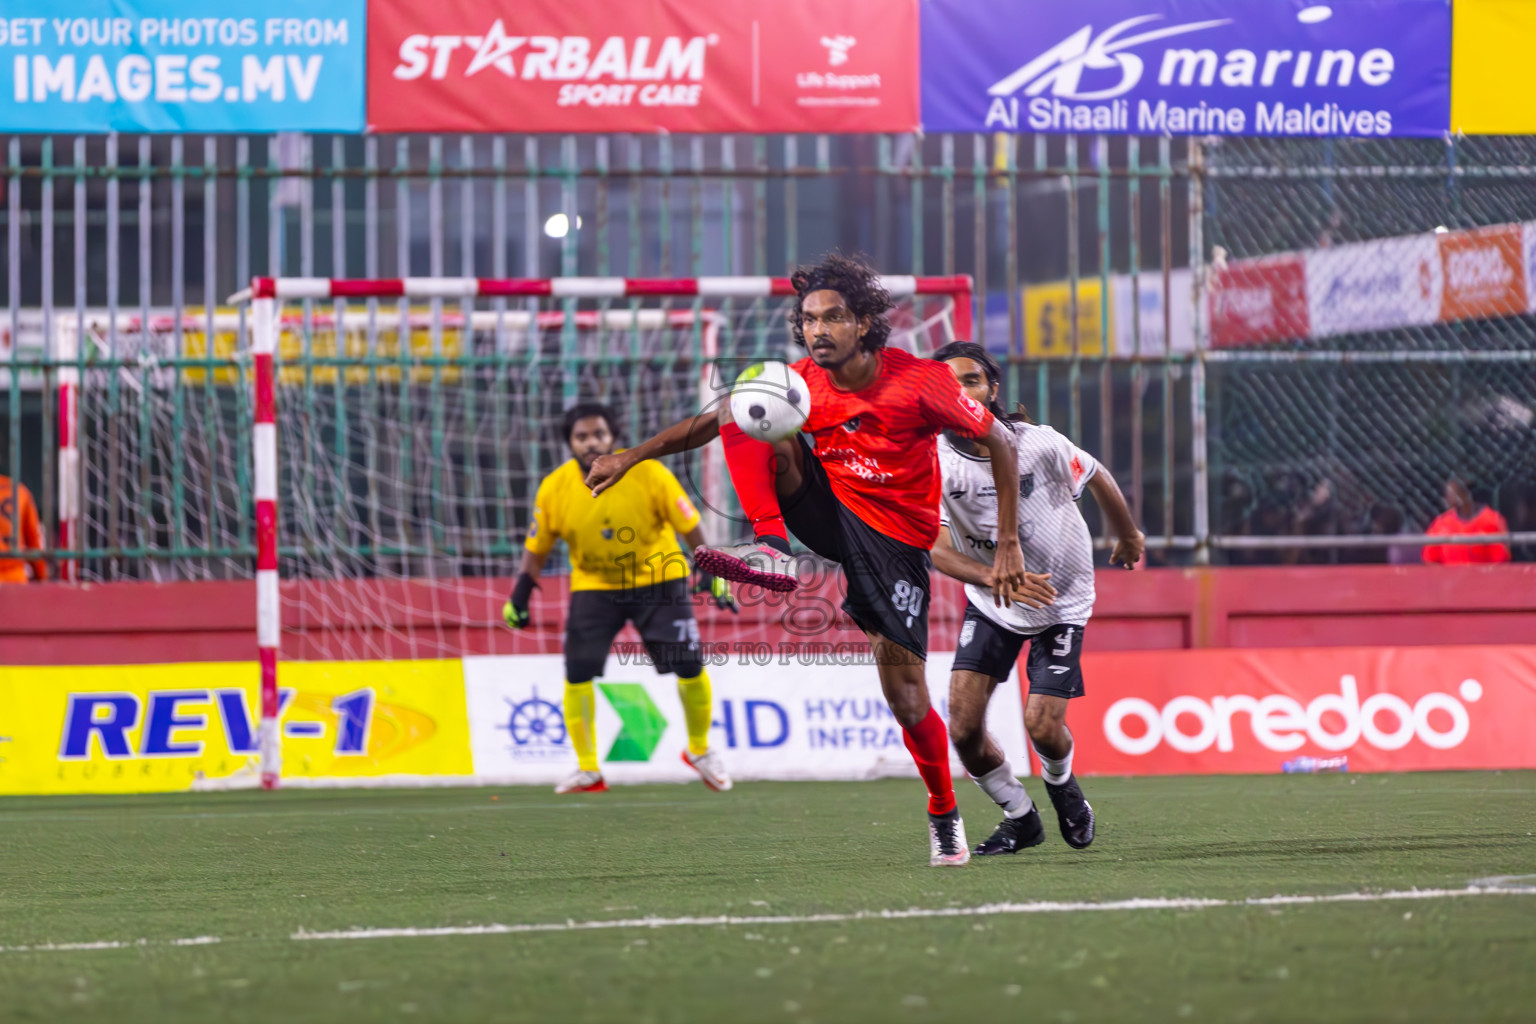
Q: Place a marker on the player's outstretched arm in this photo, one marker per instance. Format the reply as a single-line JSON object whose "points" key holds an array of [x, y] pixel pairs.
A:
{"points": [[1008, 561], [682, 436], [1130, 543], [1037, 591]]}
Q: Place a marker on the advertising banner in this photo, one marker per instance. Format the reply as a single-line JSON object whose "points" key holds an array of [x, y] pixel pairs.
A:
{"points": [[1444, 277], [1484, 272], [1048, 316], [178, 66], [789, 717], [154, 728], [1048, 319], [1256, 301], [1528, 260], [1492, 75], [1385, 709], [648, 66], [1137, 322], [1373, 286], [1199, 67]]}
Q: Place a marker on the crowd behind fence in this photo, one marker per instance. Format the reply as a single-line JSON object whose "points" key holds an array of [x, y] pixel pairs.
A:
{"points": [[1301, 449]]}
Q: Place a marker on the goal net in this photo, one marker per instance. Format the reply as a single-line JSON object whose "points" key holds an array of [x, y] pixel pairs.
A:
{"points": [[369, 450], [411, 423]]}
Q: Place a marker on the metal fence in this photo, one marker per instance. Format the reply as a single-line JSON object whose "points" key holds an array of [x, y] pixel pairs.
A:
{"points": [[1356, 434], [1216, 450]]}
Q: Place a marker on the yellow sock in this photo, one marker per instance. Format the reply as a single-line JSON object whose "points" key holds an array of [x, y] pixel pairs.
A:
{"points": [[694, 693], [580, 724]]}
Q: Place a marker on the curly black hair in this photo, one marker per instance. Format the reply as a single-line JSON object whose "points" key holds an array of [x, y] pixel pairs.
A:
{"points": [[856, 281], [587, 410]]}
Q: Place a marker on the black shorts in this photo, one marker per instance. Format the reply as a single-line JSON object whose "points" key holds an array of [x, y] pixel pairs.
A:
{"points": [[662, 614], [1055, 654], [887, 580]]}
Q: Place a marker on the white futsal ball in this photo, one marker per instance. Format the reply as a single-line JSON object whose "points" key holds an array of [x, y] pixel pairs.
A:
{"points": [[770, 401]]}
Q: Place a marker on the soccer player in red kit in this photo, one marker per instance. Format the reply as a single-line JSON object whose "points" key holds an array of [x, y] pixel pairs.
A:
{"points": [[859, 486]]}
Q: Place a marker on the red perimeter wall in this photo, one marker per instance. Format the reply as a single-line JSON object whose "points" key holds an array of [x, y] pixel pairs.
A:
{"points": [[1163, 609]]}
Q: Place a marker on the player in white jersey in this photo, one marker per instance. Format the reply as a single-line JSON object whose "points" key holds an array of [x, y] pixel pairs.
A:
{"points": [[1051, 613]]}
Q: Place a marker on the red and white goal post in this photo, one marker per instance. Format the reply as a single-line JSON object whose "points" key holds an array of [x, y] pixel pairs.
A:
{"points": [[267, 295]]}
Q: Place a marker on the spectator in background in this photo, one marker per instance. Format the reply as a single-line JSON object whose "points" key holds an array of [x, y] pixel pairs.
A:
{"points": [[1317, 515], [1466, 515], [18, 521], [1388, 521]]}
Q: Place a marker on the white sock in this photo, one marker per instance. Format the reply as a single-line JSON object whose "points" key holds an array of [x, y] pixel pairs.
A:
{"points": [[1006, 790], [1053, 771]]}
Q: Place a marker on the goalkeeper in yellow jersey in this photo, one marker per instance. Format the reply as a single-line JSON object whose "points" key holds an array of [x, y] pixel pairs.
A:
{"points": [[626, 566]]}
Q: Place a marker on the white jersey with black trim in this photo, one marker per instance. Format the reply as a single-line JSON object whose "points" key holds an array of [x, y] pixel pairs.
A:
{"points": [[1052, 474]]}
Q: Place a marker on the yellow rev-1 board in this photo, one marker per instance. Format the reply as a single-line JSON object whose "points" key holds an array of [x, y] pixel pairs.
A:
{"points": [[157, 728]]}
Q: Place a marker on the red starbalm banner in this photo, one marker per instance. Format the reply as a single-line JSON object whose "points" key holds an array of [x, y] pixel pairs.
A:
{"points": [[645, 66], [1250, 711]]}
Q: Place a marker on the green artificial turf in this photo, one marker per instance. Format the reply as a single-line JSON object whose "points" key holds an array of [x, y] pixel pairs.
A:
{"points": [[254, 869]]}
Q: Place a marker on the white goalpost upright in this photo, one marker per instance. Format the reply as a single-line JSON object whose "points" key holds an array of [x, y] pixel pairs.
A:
{"points": [[264, 337], [267, 295]]}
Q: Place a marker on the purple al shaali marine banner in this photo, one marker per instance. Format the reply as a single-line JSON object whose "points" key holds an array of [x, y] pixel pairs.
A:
{"points": [[1188, 67]]}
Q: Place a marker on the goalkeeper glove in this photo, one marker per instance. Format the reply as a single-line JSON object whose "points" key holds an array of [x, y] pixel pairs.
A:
{"points": [[515, 612], [719, 591]]}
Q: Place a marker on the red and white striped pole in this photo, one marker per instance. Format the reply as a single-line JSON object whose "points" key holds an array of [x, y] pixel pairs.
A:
{"points": [[264, 331], [66, 354]]}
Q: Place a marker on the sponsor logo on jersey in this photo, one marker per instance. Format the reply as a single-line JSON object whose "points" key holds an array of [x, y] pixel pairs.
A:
{"points": [[859, 465], [852, 425], [957, 495], [1026, 485]]}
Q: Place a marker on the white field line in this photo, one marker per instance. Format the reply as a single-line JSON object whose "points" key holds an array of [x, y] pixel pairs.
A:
{"points": [[75, 947], [134, 815], [986, 910], [1513, 885]]}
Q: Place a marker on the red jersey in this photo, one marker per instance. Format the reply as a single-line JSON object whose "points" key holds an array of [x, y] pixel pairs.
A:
{"points": [[877, 444], [1449, 524]]}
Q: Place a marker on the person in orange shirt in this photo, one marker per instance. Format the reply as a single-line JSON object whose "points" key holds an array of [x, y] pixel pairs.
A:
{"points": [[1464, 516], [18, 517]]}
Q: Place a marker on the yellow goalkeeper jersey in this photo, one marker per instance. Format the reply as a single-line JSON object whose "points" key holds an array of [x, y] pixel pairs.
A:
{"points": [[625, 537]]}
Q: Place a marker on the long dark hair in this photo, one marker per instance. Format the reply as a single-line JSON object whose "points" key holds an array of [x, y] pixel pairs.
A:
{"points": [[989, 366], [855, 280]]}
